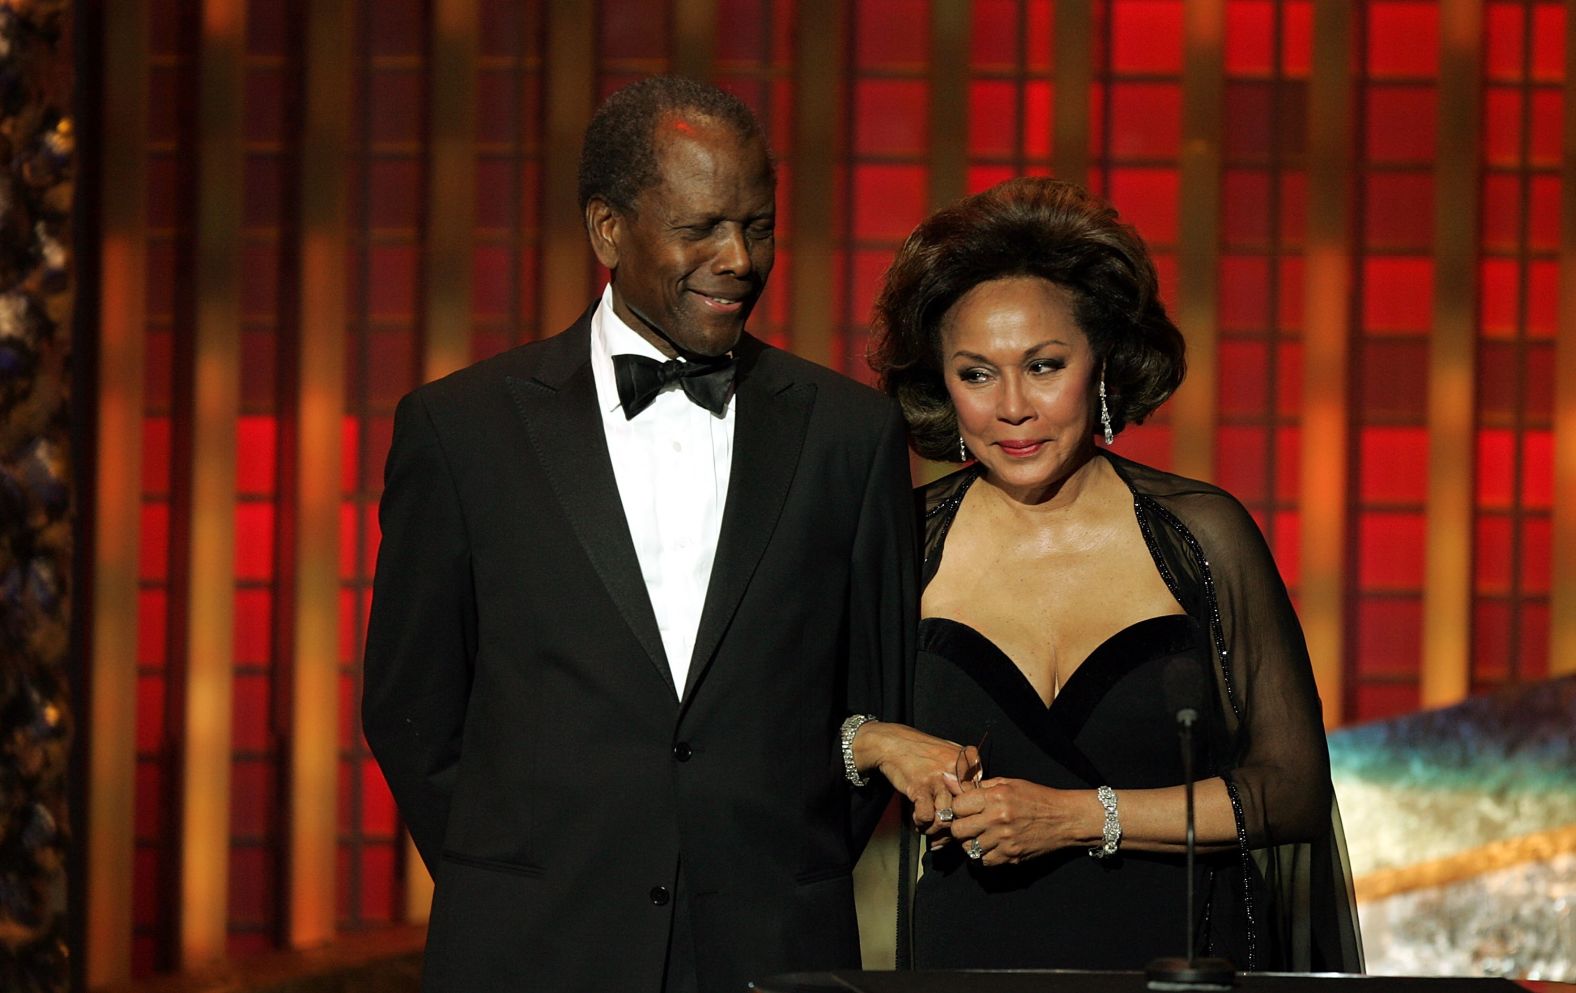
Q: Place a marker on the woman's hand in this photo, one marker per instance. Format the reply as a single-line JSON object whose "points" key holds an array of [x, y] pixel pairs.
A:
{"points": [[920, 766], [1011, 820]]}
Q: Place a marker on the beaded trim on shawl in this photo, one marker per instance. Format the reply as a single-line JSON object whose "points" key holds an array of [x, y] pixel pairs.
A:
{"points": [[1144, 504], [948, 507]]}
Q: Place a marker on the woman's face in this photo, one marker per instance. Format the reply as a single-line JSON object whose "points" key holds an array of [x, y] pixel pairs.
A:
{"points": [[1022, 376]]}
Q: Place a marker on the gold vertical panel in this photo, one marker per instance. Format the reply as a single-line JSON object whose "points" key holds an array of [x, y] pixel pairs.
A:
{"points": [[206, 748], [112, 721], [949, 100], [1327, 319], [570, 83], [1447, 593], [818, 48], [695, 38], [1195, 409], [451, 187], [1074, 71], [320, 370], [1562, 592]]}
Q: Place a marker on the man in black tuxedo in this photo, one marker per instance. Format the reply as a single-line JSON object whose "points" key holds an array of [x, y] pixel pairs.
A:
{"points": [[633, 579]]}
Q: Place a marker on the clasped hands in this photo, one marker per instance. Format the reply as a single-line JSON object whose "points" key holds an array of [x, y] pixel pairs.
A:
{"points": [[999, 821]]}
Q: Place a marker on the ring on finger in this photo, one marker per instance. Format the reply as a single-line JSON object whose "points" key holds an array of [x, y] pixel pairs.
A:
{"points": [[944, 815], [974, 850]]}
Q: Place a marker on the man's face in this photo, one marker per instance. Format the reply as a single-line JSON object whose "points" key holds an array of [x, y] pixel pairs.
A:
{"points": [[694, 254]]}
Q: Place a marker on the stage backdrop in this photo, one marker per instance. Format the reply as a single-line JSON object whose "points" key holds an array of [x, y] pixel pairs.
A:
{"points": [[1361, 209]]}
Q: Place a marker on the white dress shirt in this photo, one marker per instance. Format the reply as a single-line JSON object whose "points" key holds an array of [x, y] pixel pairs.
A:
{"points": [[672, 462]]}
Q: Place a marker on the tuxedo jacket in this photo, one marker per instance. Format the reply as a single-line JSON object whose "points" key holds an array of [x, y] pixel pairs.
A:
{"points": [[520, 704]]}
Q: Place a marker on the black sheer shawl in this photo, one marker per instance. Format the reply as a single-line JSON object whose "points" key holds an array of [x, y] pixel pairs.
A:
{"points": [[1211, 555]]}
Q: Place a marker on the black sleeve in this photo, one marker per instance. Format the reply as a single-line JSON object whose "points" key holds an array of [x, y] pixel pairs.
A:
{"points": [[883, 606], [421, 635], [1281, 779]]}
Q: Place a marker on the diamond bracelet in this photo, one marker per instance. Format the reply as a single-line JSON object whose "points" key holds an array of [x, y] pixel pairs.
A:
{"points": [[1111, 836], [845, 735]]}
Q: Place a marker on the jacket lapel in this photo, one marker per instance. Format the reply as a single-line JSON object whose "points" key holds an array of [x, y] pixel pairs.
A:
{"points": [[557, 402], [773, 415]]}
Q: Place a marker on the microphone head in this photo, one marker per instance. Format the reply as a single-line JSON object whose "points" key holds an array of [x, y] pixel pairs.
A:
{"points": [[1182, 682]]}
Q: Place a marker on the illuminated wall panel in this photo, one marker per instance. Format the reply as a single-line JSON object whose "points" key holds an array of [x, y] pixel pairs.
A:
{"points": [[387, 183], [509, 115], [1012, 91], [1523, 90], [874, 162], [1267, 54], [885, 189], [256, 774], [166, 432], [634, 39], [1136, 157], [1397, 82]]}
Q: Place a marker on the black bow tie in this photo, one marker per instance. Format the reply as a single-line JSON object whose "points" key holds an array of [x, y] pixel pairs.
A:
{"points": [[640, 379]]}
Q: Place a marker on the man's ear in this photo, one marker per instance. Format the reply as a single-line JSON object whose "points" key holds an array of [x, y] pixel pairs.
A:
{"points": [[605, 227]]}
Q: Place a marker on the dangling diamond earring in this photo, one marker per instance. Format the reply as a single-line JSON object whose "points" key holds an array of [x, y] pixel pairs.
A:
{"points": [[1105, 412], [963, 453]]}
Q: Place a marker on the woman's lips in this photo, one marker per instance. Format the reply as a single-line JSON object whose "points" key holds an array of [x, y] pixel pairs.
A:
{"points": [[1020, 449]]}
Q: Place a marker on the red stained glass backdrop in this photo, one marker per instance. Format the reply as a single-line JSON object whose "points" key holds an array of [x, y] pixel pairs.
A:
{"points": [[883, 164]]}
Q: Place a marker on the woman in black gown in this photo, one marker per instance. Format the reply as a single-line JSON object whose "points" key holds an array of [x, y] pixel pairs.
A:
{"points": [[1073, 603]]}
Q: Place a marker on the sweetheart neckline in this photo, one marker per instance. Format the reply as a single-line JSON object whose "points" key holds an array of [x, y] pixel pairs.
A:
{"points": [[1119, 634]]}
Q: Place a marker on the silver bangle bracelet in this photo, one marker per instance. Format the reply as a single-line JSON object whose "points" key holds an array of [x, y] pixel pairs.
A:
{"points": [[845, 736], [1111, 835]]}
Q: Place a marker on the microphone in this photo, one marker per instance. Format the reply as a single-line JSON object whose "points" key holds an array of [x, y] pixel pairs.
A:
{"points": [[1181, 684]]}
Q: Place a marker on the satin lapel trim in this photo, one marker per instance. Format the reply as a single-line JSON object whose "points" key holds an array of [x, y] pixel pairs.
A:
{"points": [[566, 431], [767, 441]]}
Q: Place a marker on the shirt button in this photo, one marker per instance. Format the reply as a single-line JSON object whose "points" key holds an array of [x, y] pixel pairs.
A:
{"points": [[659, 895], [678, 446], [682, 751]]}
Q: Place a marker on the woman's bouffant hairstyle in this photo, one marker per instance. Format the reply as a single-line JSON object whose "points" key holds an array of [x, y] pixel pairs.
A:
{"points": [[1029, 226]]}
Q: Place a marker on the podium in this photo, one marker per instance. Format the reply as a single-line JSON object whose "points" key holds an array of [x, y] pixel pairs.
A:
{"points": [[1073, 981]]}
